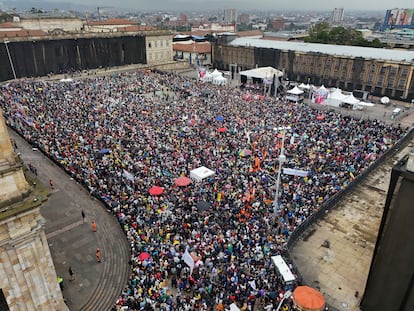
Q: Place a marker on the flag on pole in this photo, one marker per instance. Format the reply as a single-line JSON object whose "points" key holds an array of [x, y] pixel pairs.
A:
{"points": [[188, 259]]}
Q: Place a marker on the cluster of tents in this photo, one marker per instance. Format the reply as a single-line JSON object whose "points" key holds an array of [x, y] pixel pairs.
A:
{"points": [[330, 97], [215, 77]]}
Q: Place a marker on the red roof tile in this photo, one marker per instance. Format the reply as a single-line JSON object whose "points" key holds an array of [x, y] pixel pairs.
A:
{"points": [[199, 47], [22, 33]]}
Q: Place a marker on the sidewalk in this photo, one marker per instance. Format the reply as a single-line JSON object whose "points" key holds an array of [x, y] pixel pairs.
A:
{"points": [[73, 243]]}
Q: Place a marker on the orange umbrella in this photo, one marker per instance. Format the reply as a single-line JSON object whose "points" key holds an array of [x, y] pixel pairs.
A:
{"points": [[308, 299], [182, 181]]}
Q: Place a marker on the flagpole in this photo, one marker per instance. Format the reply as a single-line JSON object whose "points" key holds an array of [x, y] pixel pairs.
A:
{"points": [[282, 159]]}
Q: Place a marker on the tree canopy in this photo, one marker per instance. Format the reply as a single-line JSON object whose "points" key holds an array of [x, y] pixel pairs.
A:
{"points": [[322, 33]]}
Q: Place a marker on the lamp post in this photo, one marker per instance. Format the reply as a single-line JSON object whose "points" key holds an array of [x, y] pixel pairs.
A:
{"points": [[285, 296], [281, 159], [10, 59]]}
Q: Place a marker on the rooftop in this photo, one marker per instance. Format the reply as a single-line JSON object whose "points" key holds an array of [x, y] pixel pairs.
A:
{"points": [[330, 49]]}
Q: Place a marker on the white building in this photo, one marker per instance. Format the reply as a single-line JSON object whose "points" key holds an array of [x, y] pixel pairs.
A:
{"points": [[230, 15], [337, 16]]}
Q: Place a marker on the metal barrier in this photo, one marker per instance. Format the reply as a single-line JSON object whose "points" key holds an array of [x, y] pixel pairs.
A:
{"points": [[332, 203]]}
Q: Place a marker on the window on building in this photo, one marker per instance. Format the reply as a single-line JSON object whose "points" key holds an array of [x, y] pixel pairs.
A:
{"points": [[380, 80], [401, 83], [404, 73], [370, 78], [149, 45], [390, 83], [3, 302], [372, 68]]}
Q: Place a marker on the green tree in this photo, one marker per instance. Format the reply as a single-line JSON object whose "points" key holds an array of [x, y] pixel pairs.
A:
{"points": [[321, 33]]}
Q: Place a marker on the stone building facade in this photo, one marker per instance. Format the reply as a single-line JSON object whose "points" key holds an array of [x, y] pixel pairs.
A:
{"points": [[374, 73], [159, 48], [28, 279]]}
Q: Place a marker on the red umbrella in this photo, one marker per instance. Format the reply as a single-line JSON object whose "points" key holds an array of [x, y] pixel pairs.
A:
{"points": [[221, 129], [143, 256], [156, 190], [182, 181]]}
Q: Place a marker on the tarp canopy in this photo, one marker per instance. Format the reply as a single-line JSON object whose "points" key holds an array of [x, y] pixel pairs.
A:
{"points": [[215, 73], [262, 73], [220, 80], [295, 91], [351, 100], [304, 86], [201, 173], [283, 268], [337, 95]]}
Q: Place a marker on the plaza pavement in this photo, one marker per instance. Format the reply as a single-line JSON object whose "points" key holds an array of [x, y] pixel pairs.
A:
{"points": [[72, 242]]}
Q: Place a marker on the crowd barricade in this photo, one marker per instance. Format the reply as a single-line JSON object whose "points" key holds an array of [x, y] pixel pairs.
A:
{"points": [[332, 203]]}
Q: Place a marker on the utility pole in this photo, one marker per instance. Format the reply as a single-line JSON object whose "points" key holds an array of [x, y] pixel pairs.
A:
{"points": [[282, 159]]}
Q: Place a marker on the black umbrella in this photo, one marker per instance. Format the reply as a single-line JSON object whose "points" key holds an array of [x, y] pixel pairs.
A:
{"points": [[203, 206]]}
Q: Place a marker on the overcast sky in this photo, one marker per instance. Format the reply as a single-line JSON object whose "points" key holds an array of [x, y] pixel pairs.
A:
{"points": [[183, 5]]}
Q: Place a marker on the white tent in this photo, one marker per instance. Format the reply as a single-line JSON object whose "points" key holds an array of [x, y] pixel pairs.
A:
{"points": [[220, 80], [322, 89], [201, 173], [351, 100], [335, 98], [295, 91], [215, 73], [304, 86], [207, 77], [262, 73]]}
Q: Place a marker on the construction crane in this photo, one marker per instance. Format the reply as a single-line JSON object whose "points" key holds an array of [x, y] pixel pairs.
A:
{"points": [[98, 8]]}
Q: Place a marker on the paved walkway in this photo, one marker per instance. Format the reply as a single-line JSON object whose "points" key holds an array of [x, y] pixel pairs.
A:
{"points": [[72, 241]]}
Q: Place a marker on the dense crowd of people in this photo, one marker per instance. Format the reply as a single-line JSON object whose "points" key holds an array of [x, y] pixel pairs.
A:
{"points": [[123, 134]]}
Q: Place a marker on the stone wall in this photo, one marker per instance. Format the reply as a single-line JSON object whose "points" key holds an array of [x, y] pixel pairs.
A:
{"points": [[28, 280]]}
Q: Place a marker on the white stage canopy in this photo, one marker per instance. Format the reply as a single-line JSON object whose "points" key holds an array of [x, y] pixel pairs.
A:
{"points": [[201, 173], [262, 73]]}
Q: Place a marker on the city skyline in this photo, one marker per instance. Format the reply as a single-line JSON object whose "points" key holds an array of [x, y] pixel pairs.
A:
{"points": [[183, 5]]}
